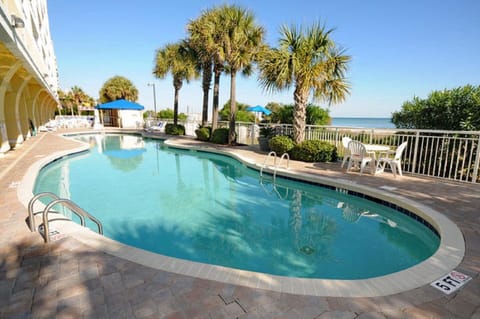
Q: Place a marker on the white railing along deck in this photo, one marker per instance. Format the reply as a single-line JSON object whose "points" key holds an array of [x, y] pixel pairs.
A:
{"points": [[453, 155]]}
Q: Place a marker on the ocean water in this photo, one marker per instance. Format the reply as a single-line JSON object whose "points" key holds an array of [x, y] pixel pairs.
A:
{"points": [[368, 122]]}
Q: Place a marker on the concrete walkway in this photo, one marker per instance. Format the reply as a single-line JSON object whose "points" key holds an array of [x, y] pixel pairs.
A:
{"points": [[67, 279]]}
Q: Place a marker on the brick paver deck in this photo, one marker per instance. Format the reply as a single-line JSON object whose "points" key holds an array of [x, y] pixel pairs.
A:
{"points": [[67, 279]]}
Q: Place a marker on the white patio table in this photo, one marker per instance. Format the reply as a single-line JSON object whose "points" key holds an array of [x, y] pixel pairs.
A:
{"points": [[374, 149]]}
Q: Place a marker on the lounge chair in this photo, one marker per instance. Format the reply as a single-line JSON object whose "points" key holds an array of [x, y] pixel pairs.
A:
{"points": [[49, 126], [159, 127]]}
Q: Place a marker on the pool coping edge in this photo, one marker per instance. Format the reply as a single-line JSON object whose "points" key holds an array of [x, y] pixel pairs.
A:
{"points": [[449, 255]]}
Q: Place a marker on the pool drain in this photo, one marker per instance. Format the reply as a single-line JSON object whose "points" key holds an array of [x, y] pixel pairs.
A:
{"points": [[307, 250]]}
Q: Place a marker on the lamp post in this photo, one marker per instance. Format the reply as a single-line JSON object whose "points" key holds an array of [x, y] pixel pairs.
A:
{"points": [[154, 98]]}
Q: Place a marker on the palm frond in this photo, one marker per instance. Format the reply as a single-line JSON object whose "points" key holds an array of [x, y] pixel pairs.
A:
{"points": [[333, 91], [276, 69]]}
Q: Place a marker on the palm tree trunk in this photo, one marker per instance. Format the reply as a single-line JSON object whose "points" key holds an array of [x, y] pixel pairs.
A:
{"points": [[299, 114], [175, 107], [233, 107], [207, 79], [216, 90]]}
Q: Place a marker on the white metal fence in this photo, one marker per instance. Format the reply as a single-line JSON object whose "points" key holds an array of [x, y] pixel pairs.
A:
{"points": [[453, 155], [73, 121]]}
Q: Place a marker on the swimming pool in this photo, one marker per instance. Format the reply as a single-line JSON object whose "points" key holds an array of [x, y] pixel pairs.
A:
{"points": [[210, 208]]}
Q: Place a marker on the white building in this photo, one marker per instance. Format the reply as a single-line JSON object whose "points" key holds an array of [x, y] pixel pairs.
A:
{"points": [[121, 113], [28, 71]]}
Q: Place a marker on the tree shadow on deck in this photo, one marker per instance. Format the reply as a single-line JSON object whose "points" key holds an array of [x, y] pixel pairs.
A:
{"points": [[60, 279]]}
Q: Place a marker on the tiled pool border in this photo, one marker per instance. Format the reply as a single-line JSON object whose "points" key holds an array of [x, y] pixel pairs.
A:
{"points": [[447, 257]]}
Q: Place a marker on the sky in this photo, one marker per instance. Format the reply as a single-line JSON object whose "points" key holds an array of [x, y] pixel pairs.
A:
{"points": [[399, 49]]}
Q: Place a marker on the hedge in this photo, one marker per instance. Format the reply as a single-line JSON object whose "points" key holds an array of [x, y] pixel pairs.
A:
{"points": [[171, 129], [281, 144], [314, 151], [220, 136]]}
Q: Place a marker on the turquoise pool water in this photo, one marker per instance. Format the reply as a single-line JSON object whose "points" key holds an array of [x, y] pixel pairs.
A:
{"points": [[210, 208]]}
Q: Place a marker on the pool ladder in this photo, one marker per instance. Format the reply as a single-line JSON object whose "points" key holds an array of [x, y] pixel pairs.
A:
{"points": [[74, 208], [275, 165]]}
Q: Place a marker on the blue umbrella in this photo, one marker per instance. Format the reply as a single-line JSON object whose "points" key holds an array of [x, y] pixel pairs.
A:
{"points": [[259, 109], [120, 105]]}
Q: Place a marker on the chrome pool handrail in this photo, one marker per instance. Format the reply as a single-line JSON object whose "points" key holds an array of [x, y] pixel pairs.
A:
{"points": [[77, 210], [31, 214]]}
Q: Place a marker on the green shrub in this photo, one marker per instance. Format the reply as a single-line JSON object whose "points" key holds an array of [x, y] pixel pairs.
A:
{"points": [[314, 151], [173, 129], [315, 115], [203, 133], [220, 136], [281, 144], [449, 109]]}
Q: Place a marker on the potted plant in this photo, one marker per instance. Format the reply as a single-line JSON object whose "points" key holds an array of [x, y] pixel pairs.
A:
{"points": [[266, 133]]}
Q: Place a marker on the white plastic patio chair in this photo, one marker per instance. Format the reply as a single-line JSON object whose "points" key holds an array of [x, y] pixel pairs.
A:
{"points": [[359, 157], [393, 159], [346, 152]]}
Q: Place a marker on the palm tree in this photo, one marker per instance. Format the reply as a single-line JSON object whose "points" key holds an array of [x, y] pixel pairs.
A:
{"points": [[205, 34], [178, 60], [240, 42], [216, 29], [78, 95], [199, 41], [308, 60], [66, 100], [80, 98]]}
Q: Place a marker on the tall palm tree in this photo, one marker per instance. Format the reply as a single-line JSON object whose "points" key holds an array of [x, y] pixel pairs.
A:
{"points": [[240, 42], [216, 28], [311, 62], [200, 41], [206, 33], [178, 60]]}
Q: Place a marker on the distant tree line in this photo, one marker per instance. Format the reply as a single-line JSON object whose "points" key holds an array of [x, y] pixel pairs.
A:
{"points": [[71, 101], [115, 88], [281, 113]]}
